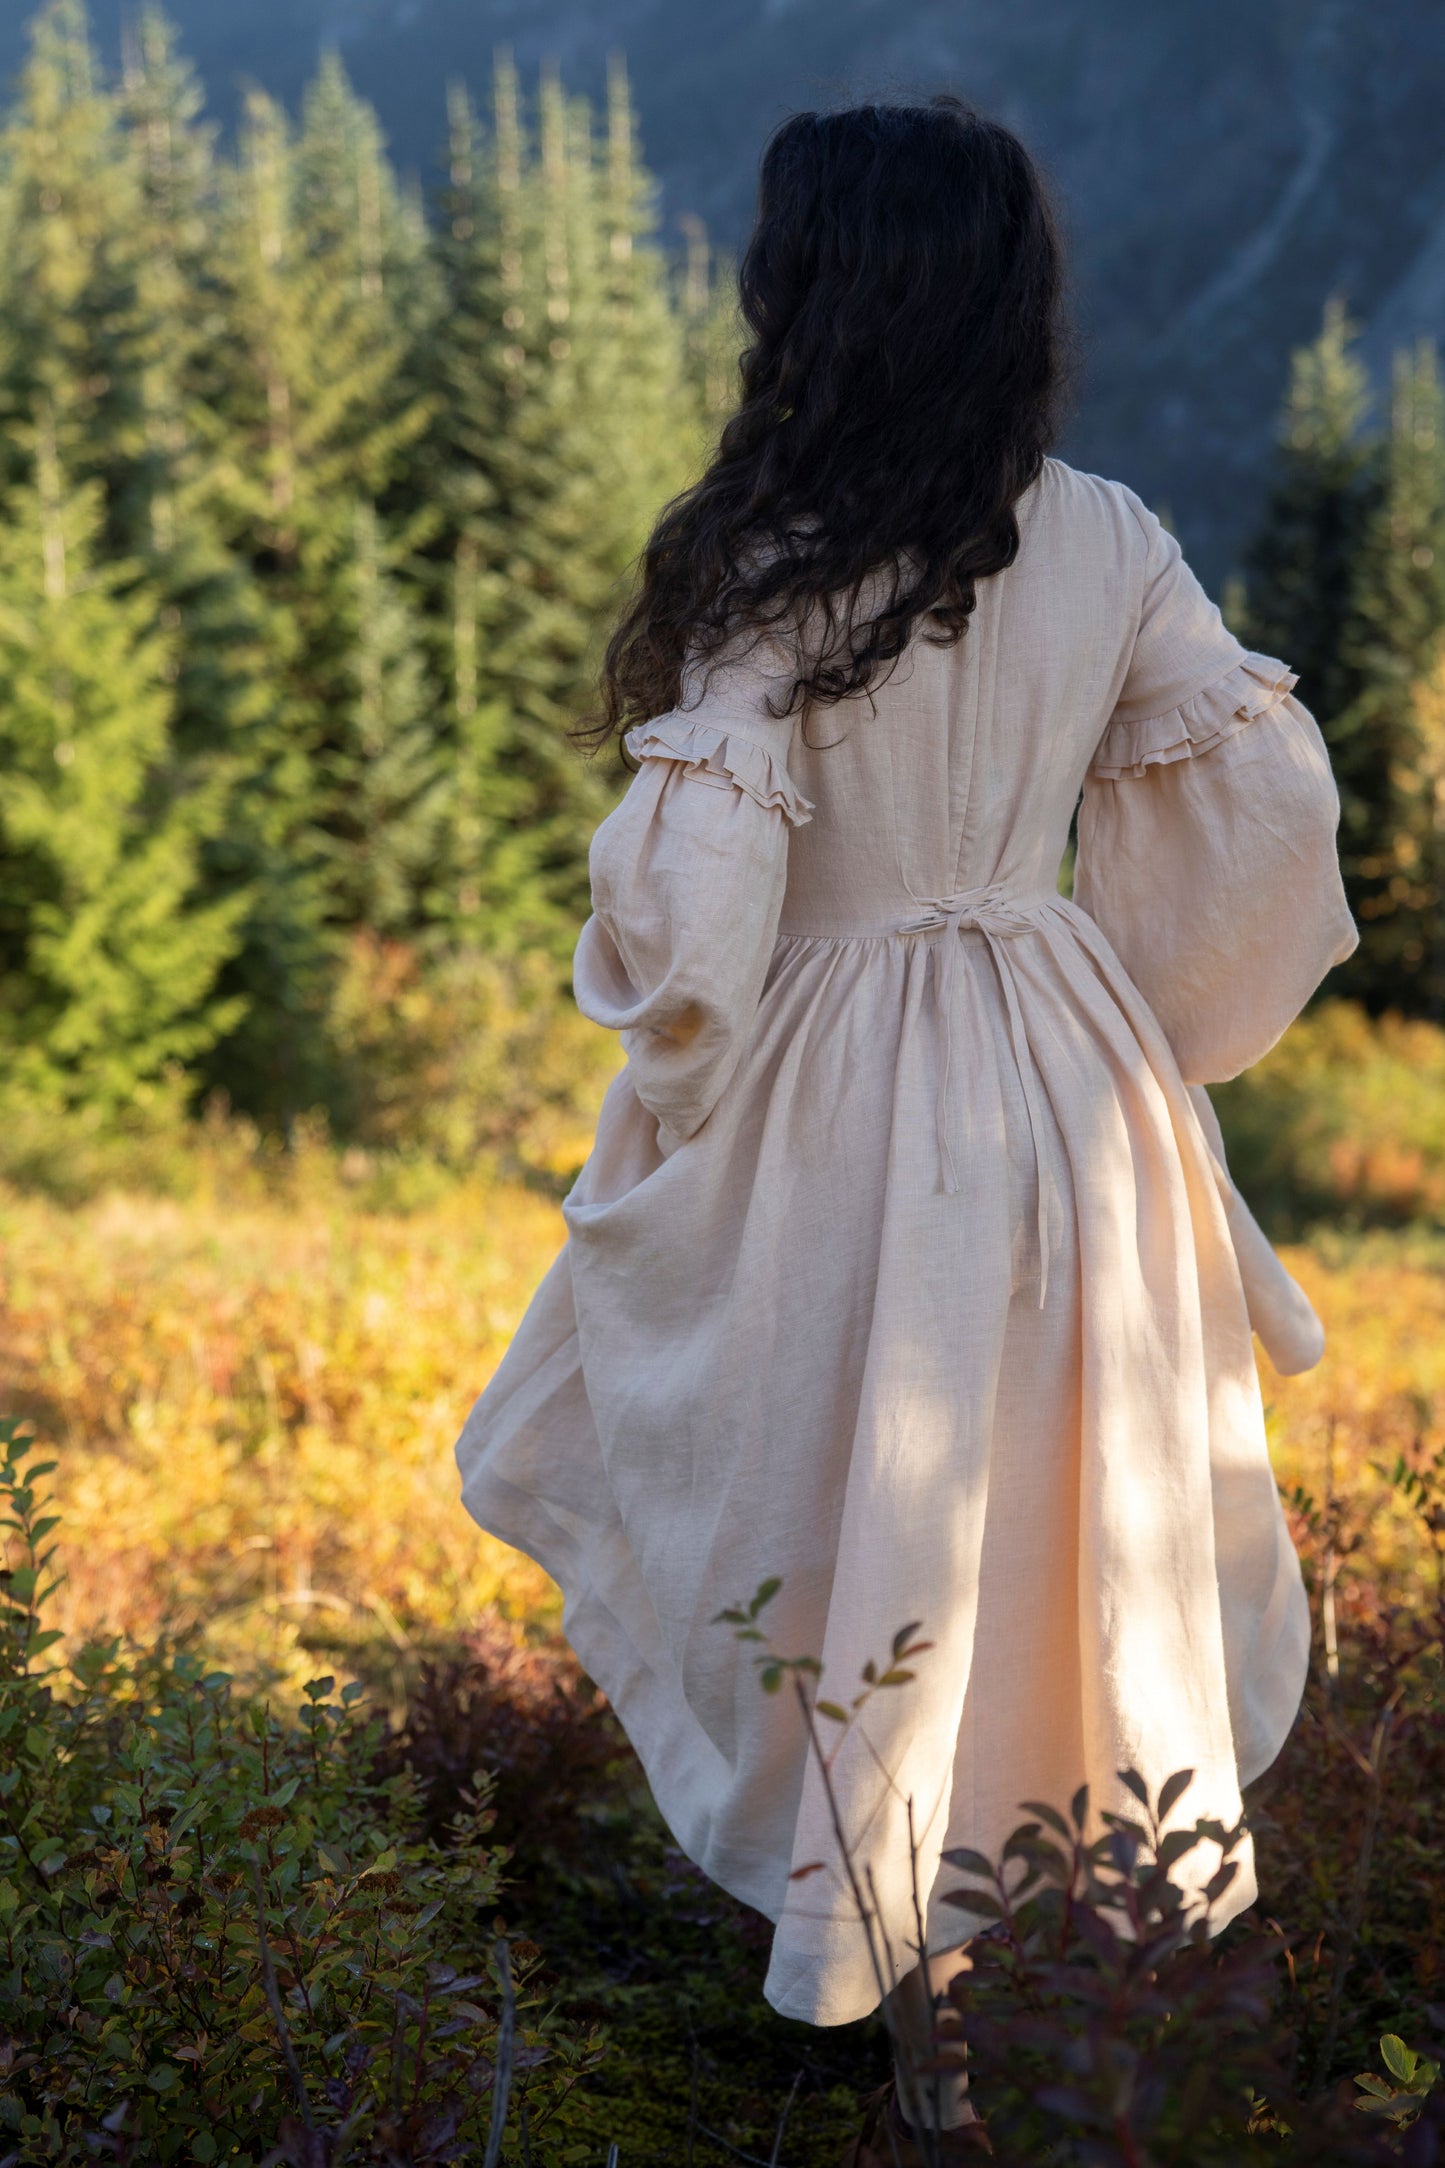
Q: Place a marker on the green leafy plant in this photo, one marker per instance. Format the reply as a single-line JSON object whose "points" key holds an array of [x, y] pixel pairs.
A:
{"points": [[222, 1935], [1097, 2010], [1400, 2095]]}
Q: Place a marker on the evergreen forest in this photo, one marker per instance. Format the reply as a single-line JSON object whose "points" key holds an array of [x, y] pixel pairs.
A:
{"points": [[318, 499]]}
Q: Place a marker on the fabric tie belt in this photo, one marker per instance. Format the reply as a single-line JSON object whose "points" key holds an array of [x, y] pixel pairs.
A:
{"points": [[998, 913]]}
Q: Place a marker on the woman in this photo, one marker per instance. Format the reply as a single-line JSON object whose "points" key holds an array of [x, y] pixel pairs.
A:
{"points": [[906, 1268]]}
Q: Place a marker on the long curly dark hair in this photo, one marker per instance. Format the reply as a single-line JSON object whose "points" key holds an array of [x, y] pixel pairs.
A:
{"points": [[904, 289]]}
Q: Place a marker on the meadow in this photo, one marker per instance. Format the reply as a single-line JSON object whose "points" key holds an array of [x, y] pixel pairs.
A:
{"points": [[252, 1374], [254, 1369], [254, 1401]]}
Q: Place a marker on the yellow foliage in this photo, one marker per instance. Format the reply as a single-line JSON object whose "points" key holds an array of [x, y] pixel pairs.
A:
{"points": [[255, 1405], [1378, 1395], [1343, 1120], [254, 1400], [468, 1055]]}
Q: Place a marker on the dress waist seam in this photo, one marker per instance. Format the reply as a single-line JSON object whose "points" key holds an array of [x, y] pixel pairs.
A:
{"points": [[876, 934]]}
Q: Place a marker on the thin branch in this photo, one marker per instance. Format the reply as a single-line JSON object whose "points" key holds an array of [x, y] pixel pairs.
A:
{"points": [[506, 2044], [1329, 1571], [691, 2096], [936, 2079], [1375, 1769], [835, 1816], [273, 1997], [777, 2153], [902, 2046]]}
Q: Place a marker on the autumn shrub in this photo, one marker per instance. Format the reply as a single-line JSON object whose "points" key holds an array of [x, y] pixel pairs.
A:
{"points": [[1103, 2025], [1350, 1820], [1102, 2019], [445, 1065], [1078, 2025], [1342, 1122], [465, 1055], [72, 1152], [526, 1713], [1097, 2021], [224, 1935], [253, 1402]]}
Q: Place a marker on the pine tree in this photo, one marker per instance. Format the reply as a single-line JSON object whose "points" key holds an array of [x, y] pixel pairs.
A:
{"points": [[1347, 583], [489, 887], [1396, 622], [347, 203], [67, 262], [1420, 778], [170, 511], [108, 962], [385, 771], [101, 207], [712, 329], [389, 787], [349, 210], [1300, 574], [110, 310], [568, 421], [304, 382], [170, 202]]}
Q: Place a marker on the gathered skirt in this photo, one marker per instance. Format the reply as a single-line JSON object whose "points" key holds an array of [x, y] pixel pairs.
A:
{"points": [[1021, 1413]]}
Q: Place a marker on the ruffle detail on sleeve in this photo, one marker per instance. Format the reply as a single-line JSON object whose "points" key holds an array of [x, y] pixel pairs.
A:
{"points": [[1132, 744], [719, 756]]}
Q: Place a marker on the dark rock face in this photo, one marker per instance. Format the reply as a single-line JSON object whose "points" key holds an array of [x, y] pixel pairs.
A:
{"points": [[1224, 165]]}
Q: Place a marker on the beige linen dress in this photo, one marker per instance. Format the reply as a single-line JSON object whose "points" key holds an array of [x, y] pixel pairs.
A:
{"points": [[906, 1266]]}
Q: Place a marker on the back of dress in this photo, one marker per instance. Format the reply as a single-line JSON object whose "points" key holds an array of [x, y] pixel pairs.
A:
{"points": [[905, 1269]]}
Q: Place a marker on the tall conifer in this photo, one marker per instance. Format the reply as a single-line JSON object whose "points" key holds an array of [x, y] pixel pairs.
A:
{"points": [[108, 959], [389, 787], [1396, 625], [569, 422], [170, 203], [170, 508], [67, 262], [349, 209], [713, 334], [1301, 571], [305, 380], [1347, 583]]}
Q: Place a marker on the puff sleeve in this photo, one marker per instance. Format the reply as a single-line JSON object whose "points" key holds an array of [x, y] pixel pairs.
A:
{"points": [[687, 881], [1206, 849]]}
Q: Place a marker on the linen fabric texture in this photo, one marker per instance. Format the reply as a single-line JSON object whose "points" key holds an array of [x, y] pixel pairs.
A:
{"points": [[906, 1267]]}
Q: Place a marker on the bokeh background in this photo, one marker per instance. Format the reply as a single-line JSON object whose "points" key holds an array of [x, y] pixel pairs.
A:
{"points": [[346, 354]]}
